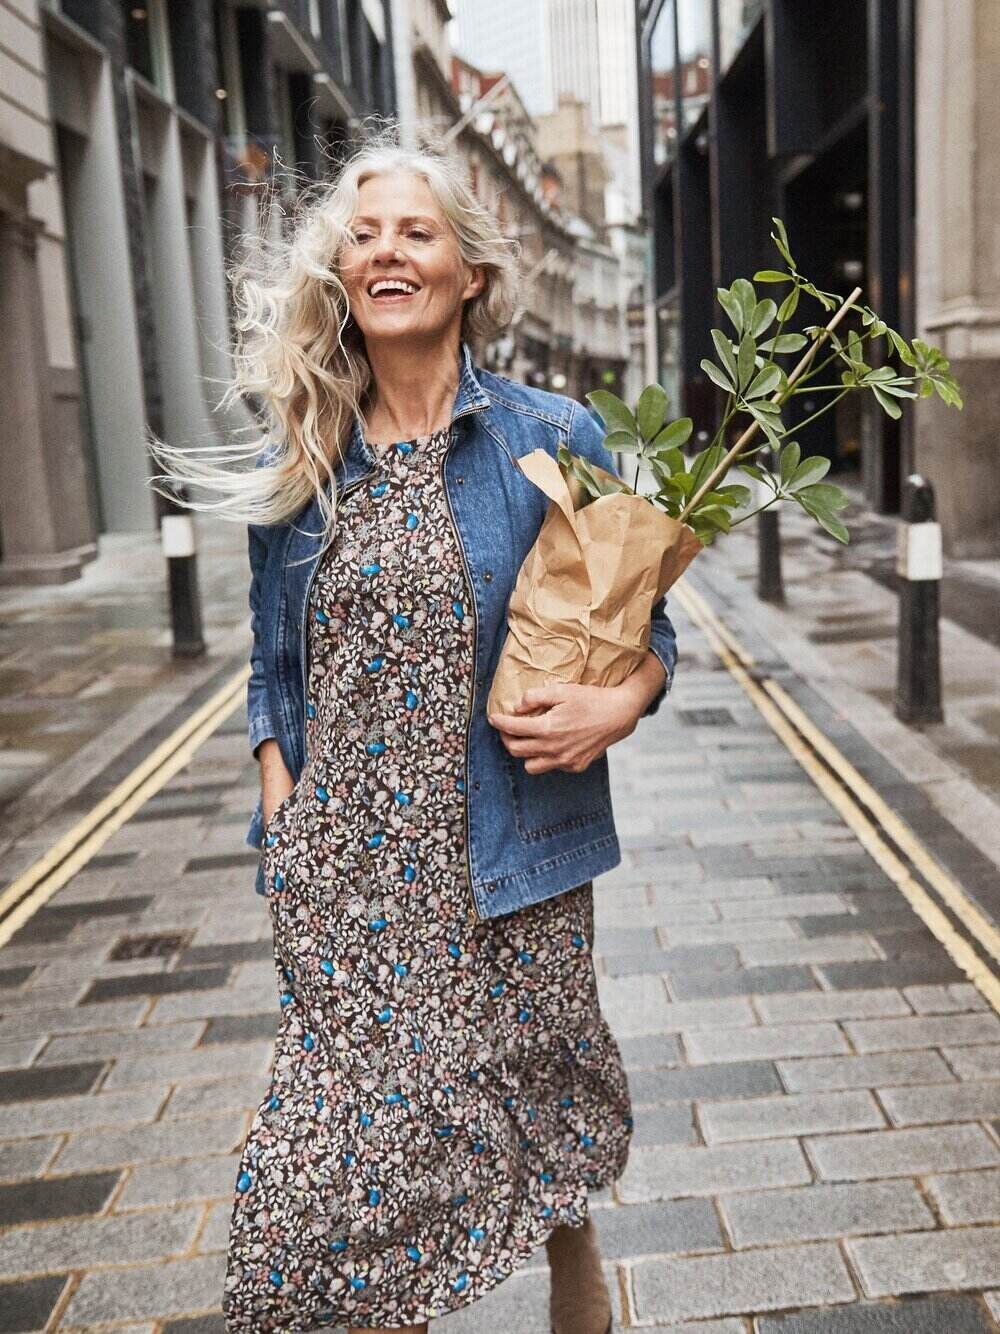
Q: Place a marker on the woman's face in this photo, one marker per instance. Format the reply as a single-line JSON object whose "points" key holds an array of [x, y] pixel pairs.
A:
{"points": [[404, 274]]}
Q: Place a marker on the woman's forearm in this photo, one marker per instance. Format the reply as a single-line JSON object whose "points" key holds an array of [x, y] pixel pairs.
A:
{"points": [[275, 780], [645, 682]]}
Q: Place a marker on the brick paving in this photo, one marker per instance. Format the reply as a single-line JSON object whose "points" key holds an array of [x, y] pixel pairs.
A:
{"points": [[816, 1086]]}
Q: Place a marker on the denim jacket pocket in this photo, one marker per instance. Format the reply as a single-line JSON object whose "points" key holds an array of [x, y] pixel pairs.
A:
{"points": [[558, 801]]}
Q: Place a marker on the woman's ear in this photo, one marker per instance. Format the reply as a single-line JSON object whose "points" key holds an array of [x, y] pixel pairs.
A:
{"points": [[476, 282]]}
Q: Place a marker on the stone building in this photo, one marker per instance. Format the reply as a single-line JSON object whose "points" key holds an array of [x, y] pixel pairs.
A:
{"points": [[135, 142]]}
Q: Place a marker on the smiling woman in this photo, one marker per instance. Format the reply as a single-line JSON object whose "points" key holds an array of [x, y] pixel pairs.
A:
{"points": [[445, 1092]]}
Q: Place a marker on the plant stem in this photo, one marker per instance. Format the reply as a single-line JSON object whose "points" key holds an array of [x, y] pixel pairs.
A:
{"points": [[726, 463], [819, 411], [753, 513]]}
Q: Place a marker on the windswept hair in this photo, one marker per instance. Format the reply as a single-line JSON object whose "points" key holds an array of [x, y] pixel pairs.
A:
{"points": [[299, 357]]}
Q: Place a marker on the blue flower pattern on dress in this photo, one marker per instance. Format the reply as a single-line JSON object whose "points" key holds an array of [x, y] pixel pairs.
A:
{"points": [[444, 1090]]}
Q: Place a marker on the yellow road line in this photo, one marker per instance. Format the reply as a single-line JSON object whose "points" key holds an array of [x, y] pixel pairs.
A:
{"points": [[33, 887], [806, 743]]}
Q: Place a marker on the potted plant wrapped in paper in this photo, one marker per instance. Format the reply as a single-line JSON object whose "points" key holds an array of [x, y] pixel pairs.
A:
{"points": [[606, 552]]}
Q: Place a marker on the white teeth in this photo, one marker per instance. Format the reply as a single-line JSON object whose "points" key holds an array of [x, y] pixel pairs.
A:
{"points": [[392, 285]]}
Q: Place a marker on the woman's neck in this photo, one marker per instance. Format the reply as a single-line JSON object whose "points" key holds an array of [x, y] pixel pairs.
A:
{"points": [[413, 390]]}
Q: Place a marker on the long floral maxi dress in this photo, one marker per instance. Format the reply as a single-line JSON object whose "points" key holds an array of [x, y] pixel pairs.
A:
{"points": [[445, 1090]]}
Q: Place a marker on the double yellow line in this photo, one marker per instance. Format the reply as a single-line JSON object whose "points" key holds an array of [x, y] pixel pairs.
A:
{"points": [[35, 886], [888, 840]]}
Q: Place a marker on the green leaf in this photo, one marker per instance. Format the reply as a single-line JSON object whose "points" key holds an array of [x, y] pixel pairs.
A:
{"points": [[786, 342], [684, 481], [724, 348], [763, 316], [825, 495], [732, 307], [764, 382], [667, 463], [704, 463], [743, 291], [745, 359], [824, 518], [716, 515], [752, 470], [736, 495], [887, 402], [673, 435], [651, 410], [789, 306], [902, 348], [717, 375], [808, 472], [789, 461], [613, 412], [624, 442], [780, 238], [772, 276]]}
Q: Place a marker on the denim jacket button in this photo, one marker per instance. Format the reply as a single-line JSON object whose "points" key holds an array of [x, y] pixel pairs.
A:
{"points": [[487, 576], [477, 784], [460, 481], [490, 886]]}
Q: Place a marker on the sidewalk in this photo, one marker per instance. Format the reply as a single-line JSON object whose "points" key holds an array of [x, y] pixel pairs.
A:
{"points": [[817, 1145], [837, 630], [86, 672]]}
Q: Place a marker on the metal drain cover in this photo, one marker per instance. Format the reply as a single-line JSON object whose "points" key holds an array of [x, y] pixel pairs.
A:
{"points": [[148, 947], [707, 717]]}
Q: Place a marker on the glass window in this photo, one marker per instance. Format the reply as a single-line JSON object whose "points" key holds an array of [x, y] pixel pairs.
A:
{"points": [[662, 62], [147, 41], [694, 47], [736, 18]]}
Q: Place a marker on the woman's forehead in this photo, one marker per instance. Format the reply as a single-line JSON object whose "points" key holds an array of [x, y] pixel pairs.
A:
{"points": [[399, 194]]}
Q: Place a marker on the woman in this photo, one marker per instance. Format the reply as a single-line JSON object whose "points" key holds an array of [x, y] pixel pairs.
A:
{"points": [[445, 1091]]}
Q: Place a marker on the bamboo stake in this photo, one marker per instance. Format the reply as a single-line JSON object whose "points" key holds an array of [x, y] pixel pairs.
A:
{"points": [[725, 464]]}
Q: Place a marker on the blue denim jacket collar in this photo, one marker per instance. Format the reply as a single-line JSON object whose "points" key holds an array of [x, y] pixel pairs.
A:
{"points": [[469, 397]]}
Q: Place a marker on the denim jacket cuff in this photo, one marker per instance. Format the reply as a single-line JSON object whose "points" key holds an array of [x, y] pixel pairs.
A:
{"points": [[260, 729], [660, 696]]}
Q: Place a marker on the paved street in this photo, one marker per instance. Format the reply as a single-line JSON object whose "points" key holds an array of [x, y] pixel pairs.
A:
{"points": [[817, 1089]]}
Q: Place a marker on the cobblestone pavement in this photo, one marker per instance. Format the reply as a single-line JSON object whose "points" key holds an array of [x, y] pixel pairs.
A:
{"points": [[817, 1089]]}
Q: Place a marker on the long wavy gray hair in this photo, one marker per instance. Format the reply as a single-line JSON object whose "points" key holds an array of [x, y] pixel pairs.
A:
{"points": [[300, 355]]}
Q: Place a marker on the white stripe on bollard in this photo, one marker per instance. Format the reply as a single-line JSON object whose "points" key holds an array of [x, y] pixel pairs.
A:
{"points": [[918, 551], [177, 535]]}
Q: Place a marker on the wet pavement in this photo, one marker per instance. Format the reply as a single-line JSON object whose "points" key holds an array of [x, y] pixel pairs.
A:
{"points": [[75, 658], [816, 1085]]}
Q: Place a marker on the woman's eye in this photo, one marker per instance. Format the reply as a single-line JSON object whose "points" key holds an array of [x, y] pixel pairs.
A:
{"points": [[420, 235]]}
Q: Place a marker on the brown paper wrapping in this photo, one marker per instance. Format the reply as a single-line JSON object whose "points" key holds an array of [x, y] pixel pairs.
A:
{"points": [[582, 600]]}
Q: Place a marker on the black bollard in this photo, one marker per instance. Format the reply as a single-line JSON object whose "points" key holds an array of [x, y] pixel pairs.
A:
{"points": [[770, 587], [177, 537], [918, 564]]}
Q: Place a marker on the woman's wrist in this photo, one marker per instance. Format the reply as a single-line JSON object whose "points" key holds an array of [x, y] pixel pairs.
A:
{"points": [[642, 686]]}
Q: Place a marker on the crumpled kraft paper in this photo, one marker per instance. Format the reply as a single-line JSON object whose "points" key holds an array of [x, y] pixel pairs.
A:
{"points": [[581, 603]]}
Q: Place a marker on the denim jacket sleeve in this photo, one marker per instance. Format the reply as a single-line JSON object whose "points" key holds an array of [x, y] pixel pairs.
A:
{"points": [[258, 708], [587, 439], [259, 723]]}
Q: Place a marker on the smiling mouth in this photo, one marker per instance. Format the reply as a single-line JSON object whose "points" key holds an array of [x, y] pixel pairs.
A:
{"points": [[392, 289]]}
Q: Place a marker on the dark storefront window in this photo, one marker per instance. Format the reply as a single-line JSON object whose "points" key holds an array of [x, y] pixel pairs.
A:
{"points": [[662, 64], [138, 42], [694, 47], [736, 18]]}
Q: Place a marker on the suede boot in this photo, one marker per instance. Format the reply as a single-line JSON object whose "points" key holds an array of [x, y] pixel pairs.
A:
{"points": [[580, 1302]]}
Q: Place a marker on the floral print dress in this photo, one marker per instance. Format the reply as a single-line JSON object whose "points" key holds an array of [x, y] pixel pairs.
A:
{"points": [[445, 1090]]}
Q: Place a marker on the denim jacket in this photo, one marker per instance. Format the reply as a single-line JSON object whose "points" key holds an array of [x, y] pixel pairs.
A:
{"points": [[528, 836]]}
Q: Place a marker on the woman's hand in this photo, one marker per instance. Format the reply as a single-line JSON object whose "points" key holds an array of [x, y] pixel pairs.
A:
{"points": [[570, 726], [276, 783]]}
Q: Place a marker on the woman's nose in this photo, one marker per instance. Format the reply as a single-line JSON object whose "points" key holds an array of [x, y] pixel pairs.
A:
{"points": [[386, 250]]}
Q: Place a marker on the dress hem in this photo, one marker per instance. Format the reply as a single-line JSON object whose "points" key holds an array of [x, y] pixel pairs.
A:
{"points": [[522, 1256]]}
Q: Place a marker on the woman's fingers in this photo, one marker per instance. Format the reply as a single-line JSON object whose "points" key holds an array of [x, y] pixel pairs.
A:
{"points": [[511, 724]]}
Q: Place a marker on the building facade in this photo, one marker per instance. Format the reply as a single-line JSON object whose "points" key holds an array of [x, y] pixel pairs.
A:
{"points": [[171, 128], [872, 128]]}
